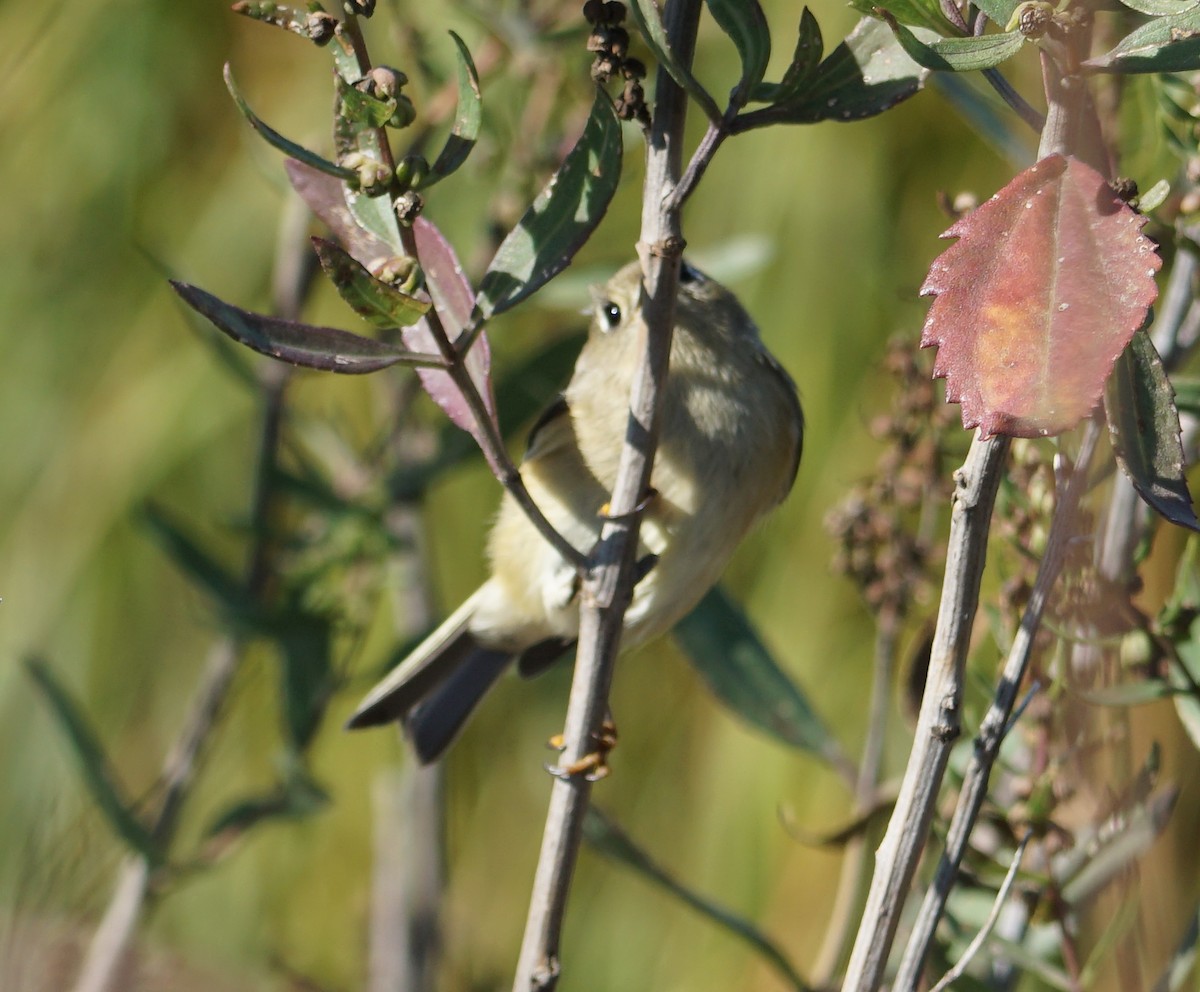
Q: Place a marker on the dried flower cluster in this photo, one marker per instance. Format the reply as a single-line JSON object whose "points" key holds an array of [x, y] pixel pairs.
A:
{"points": [[609, 41], [886, 543]]}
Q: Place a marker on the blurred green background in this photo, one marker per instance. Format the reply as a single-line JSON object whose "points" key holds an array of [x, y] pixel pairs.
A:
{"points": [[124, 155]]}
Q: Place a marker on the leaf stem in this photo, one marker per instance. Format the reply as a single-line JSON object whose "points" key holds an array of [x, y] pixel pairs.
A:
{"points": [[608, 586], [508, 473]]}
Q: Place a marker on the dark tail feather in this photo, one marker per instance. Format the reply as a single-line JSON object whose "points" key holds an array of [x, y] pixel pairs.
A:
{"points": [[435, 721]]}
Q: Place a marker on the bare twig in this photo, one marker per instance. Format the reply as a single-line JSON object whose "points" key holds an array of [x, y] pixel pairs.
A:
{"points": [[104, 961], [985, 931], [938, 722], [608, 586], [997, 720]]}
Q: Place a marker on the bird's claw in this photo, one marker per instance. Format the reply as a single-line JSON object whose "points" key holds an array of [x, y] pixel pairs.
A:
{"points": [[593, 766]]}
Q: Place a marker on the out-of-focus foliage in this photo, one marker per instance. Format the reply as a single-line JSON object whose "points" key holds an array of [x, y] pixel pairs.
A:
{"points": [[125, 162]]}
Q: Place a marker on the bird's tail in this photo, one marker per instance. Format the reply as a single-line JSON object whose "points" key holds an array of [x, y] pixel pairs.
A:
{"points": [[434, 690]]}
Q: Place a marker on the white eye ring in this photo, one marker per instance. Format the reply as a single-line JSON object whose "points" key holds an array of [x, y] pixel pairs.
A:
{"points": [[609, 314]]}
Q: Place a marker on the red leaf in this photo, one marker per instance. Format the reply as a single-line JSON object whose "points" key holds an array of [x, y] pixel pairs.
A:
{"points": [[453, 301], [1046, 286], [325, 196]]}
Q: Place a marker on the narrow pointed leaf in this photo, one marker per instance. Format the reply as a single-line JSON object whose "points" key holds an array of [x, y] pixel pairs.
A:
{"points": [[1048, 282], [733, 661], [916, 13], [810, 46], [1144, 425], [746, 25], [608, 839], [957, 54], [197, 565], [324, 348], [865, 75], [454, 302], [97, 772], [1165, 44], [293, 801], [371, 298], [305, 642], [562, 217], [649, 20], [273, 137], [467, 118], [325, 197]]}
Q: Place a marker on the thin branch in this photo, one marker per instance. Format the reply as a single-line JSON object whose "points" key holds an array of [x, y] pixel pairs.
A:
{"points": [[608, 586], [1034, 118], [106, 954], [896, 860], [993, 917], [997, 721]]}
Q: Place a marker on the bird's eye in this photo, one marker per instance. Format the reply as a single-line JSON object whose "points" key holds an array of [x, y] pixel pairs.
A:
{"points": [[689, 273], [610, 315]]}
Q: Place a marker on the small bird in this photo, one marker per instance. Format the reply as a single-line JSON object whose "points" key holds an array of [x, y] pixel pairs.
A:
{"points": [[728, 451]]}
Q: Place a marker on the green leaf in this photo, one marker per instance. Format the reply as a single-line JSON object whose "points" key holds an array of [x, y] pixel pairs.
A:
{"points": [[1144, 426], [324, 348], [810, 46], [957, 54], [200, 568], [865, 75], [612, 842], [1165, 44], [1187, 394], [916, 13], [561, 218], [650, 23], [1159, 8], [362, 110], [373, 213], [298, 152], [370, 298], [98, 775], [306, 644], [746, 25], [295, 799], [731, 658], [998, 11], [467, 119]]}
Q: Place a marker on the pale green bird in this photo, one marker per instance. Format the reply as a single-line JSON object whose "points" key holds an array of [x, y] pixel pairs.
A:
{"points": [[728, 451]]}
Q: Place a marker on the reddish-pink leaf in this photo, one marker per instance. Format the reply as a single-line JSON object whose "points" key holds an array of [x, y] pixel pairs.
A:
{"points": [[1044, 289], [453, 301], [452, 296], [325, 196]]}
